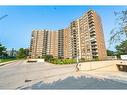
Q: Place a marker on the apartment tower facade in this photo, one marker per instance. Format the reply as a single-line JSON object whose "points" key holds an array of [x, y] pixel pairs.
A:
{"points": [[83, 38]]}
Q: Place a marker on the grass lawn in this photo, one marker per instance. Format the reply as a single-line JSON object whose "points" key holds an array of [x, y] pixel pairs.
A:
{"points": [[6, 60]]}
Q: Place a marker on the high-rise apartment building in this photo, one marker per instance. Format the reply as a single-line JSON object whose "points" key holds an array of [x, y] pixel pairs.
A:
{"points": [[83, 38]]}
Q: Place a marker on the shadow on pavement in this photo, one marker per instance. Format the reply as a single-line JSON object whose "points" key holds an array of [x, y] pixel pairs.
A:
{"points": [[79, 83]]}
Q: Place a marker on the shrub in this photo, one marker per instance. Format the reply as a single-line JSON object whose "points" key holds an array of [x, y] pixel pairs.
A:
{"points": [[82, 60], [63, 61], [48, 58], [96, 58]]}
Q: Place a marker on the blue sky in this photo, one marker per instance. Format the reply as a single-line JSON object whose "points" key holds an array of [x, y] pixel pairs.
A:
{"points": [[15, 29]]}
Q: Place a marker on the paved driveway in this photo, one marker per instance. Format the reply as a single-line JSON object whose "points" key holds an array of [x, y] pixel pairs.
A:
{"points": [[50, 76], [13, 76]]}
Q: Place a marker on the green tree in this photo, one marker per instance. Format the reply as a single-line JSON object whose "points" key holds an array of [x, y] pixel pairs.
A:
{"points": [[119, 32], [121, 48], [48, 58], [22, 53], [2, 51], [110, 53], [26, 51]]}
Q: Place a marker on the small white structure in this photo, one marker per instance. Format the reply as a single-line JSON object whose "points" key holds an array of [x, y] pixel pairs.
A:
{"points": [[123, 57], [111, 57], [40, 60]]}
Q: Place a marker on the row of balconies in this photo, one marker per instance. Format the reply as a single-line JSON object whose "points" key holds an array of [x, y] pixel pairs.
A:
{"points": [[89, 13]]}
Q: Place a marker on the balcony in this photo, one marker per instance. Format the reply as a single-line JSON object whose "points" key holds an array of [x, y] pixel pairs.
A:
{"points": [[93, 39], [93, 43], [94, 54], [90, 13], [91, 25], [94, 47], [91, 22], [91, 19], [92, 33], [92, 30], [94, 51], [90, 16]]}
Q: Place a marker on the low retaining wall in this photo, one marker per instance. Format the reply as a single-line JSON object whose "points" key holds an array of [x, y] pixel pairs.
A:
{"points": [[99, 65], [35, 60]]}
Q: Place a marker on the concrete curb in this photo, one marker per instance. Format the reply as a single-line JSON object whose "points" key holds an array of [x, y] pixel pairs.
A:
{"points": [[5, 63]]}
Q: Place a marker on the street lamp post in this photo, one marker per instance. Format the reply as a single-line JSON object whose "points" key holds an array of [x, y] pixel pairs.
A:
{"points": [[77, 59]]}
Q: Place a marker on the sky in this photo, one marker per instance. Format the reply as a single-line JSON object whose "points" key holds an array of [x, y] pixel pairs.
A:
{"points": [[16, 28]]}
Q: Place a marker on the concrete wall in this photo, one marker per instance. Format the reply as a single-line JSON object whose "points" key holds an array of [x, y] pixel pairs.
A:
{"points": [[99, 65]]}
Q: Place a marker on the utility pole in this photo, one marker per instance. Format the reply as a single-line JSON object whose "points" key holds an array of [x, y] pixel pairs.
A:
{"points": [[77, 59]]}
